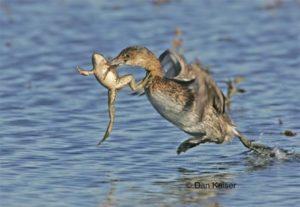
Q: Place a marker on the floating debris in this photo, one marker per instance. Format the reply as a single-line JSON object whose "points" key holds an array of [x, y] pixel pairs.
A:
{"points": [[116, 7], [178, 31], [5, 8], [29, 85], [160, 2], [177, 41], [7, 44], [273, 4], [197, 62], [226, 39], [232, 89], [289, 133]]}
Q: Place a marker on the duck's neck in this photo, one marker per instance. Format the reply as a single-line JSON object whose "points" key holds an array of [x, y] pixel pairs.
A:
{"points": [[154, 68]]}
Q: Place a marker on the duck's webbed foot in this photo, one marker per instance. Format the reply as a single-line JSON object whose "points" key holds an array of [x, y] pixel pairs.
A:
{"points": [[262, 149], [190, 143], [256, 147], [84, 72]]}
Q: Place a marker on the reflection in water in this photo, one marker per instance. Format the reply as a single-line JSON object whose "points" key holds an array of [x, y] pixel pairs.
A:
{"points": [[194, 188], [110, 199], [201, 189], [207, 188]]}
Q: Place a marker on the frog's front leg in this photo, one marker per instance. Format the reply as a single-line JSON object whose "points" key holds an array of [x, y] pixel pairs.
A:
{"points": [[84, 72], [111, 108]]}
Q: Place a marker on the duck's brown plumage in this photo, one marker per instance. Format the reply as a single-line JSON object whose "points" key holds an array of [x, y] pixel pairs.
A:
{"points": [[188, 97], [175, 91]]}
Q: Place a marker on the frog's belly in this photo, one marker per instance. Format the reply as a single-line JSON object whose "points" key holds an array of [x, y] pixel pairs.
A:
{"points": [[109, 81], [174, 112]]}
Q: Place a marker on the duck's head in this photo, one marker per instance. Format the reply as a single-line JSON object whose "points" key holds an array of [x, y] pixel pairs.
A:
{"points": [[140, 57], [98, 60]]}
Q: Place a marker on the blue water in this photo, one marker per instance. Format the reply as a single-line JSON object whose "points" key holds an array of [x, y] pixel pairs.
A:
{"points": [[52, 118]]}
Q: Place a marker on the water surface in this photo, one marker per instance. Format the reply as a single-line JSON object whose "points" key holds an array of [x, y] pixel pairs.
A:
{"points": [[52, 118]]}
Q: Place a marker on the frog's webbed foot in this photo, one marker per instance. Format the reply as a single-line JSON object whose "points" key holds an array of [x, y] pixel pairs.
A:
{"points": [[111, 108], [145, 80], [190, 143], [84, 72], [129, 79], [139, 89]]}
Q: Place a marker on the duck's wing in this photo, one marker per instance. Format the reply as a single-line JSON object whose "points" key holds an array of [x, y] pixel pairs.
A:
{"points": [[217, 97], [169, 63], [175, 66], [208, 93], [196, 79], [186, 83]]}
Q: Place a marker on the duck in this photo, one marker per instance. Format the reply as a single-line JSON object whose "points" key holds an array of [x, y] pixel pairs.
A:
{"points": [[186, 96]]}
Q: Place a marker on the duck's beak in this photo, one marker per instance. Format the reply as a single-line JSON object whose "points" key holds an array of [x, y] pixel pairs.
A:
{"points": [[116, 62]]}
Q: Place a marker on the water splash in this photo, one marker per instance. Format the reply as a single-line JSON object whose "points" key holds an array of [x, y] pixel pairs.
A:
{"points": [[280, 154], [275, 152]]}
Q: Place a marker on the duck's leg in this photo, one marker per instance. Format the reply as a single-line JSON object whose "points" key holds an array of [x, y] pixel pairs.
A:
{"points": [[194, 141], [111, 108], [189, 143], [259, 148], [84, 72]]}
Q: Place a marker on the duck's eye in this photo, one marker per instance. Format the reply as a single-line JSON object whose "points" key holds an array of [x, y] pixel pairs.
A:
{"points": [[126, 56]]}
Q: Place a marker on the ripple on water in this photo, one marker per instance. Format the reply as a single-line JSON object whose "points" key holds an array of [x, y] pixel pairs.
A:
{"points": [[52, 118]]}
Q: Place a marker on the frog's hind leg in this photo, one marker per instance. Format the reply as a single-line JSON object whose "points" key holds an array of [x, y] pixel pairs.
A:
{"points": [[126, 79], [129, 79], [111, 108]]}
